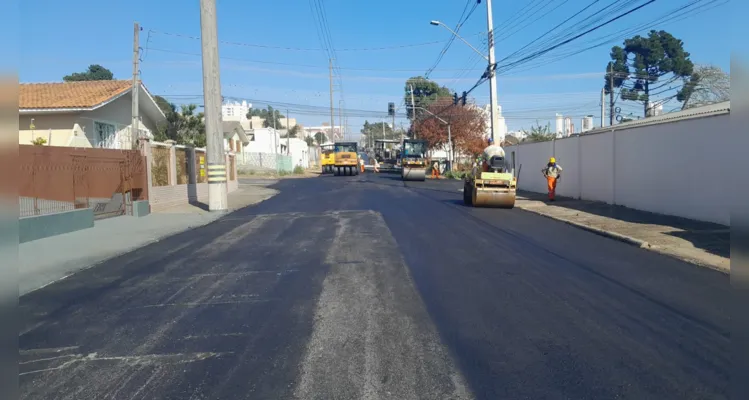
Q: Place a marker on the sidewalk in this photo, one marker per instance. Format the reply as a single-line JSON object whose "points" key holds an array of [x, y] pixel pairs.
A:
{"points": [[47, 260], [700, 243]]}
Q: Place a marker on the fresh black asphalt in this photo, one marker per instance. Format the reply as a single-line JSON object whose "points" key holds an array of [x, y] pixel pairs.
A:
{"points": [[368, 288]]}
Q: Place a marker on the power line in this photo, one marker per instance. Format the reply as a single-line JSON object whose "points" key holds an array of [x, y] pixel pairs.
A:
{"points": [[450, 41]]}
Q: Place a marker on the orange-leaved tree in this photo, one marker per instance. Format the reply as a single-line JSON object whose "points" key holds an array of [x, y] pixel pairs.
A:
{"points": [[467, 126]]}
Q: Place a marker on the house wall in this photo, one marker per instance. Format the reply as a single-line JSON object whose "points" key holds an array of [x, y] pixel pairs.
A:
{"points": [[664, 168], [117, 113], [265, 141], [299, 152]]}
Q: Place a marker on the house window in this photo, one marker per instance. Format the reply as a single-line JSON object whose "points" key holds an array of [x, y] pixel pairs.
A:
{"points": [[104, 132]]}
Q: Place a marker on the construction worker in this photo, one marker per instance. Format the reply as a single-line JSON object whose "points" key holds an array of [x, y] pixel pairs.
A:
{"points": [[361, 164], [553, 173], [435, 170], [376, 164]]}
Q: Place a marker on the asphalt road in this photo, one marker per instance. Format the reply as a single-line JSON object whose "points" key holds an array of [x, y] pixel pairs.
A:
{"points": [[366, 288]]}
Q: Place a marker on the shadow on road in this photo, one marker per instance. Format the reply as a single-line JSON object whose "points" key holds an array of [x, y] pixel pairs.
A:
{"points": [[712, 238]]}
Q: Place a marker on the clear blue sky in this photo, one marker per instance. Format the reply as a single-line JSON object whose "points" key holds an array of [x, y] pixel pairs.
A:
{"points": [[66, 36]]}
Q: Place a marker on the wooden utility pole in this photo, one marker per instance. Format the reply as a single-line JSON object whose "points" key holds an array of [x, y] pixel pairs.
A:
{"points": [[216, 159], [288, 133], [332, 117], [135, 122]]}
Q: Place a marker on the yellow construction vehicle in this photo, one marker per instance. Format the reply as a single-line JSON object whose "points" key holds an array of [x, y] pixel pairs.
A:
{"points": [[346, 159], [327, 158], [413, 160], [489, 184]]}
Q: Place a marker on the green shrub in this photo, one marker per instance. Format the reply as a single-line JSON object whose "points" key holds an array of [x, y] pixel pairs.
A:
{"points": [[298, 170]]}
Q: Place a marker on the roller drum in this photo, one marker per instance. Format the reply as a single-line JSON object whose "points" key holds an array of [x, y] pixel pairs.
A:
{"points": [[414, 174], [491, 198]]}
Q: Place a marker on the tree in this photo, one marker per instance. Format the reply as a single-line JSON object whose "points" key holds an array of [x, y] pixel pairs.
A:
{"points": [[164, 104], [268, 115], [293, 132], [183, 125], [380, 130], [538, 133], [708, 84], [425, 93], [467, 127], [321, 137], [310, 141], [95, 72], [643, 61]]}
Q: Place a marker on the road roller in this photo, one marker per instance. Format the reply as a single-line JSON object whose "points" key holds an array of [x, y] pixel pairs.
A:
{"points": [[489, 184], [327, 158], [346, 159], [413, 160]]}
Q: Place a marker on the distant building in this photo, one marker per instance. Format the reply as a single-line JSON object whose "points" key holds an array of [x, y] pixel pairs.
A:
{"points": [[331, 134], [235, 111], [587, 123]]}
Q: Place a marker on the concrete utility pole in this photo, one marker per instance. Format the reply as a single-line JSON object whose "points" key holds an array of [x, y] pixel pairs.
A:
{"points": [[288, 131], [603, 106], [216, 159], [413, 109], [611, 94], [492, 76], [134, 124], [332, 117], [340, 118]]}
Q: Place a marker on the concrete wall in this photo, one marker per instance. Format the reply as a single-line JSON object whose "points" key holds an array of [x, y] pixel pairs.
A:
{"points": [[675, 168], [42, 226]]}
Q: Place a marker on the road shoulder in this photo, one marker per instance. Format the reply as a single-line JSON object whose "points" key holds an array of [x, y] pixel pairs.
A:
{"points": [[699, 243]]}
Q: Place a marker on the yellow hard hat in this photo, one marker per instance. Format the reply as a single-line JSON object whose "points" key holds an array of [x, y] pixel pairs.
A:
{"points": [[552, 160]]}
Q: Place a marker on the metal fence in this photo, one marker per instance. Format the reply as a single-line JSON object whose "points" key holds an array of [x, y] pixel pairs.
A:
{"points": [[58, 179], [263, 162]]}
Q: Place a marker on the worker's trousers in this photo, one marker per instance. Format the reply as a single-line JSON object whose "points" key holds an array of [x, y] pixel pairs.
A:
{"points": [[552, 186]]}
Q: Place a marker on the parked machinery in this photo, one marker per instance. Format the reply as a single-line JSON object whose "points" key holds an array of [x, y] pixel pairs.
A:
{"points": [[413, 160], [489, 184], [346, 159], [327, 158], [386, 152]]}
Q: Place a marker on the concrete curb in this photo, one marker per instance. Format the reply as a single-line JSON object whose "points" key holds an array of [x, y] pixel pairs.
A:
{"points": [[601, 232], [633, 242]]}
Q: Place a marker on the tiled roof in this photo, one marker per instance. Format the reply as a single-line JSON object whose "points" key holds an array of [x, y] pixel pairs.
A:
{"points": [[86, 94]]}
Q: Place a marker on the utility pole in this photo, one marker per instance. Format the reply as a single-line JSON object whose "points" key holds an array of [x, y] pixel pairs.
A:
{"points": [[490, 70], [332, 118], [340, 118], [413, 109], [135, 123], [611, 94], [216, 159], [603, 106], [288, 135]]}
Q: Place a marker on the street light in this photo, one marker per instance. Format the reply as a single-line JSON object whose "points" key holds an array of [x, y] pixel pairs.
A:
{"points": [[438, 23], [449, 136], [490, 67]]}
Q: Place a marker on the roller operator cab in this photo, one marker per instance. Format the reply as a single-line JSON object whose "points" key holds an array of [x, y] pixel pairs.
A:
{"points": [[490, 184], [413, 160], [346, 159], [327, 157]]}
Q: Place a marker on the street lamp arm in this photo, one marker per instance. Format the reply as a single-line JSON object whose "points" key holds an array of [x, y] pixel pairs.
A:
{"points": [[434, 115], [461, 38]]}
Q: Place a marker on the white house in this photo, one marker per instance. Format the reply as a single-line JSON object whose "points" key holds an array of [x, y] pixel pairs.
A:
{"points": [[85, 114], [264, 140], [299, 152]]}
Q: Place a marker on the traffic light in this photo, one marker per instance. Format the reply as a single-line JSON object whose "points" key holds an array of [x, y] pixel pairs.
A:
{"points": [[455, 99], [391, 109], [463, 99]]}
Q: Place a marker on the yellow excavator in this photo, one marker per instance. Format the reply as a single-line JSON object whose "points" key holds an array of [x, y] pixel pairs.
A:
{"points": [[346, 159], [327, 158], [413, 160], [489, 184]]}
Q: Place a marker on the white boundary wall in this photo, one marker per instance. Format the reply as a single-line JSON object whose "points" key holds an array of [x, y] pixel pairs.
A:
{"points": [[678, 167]]}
